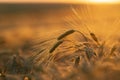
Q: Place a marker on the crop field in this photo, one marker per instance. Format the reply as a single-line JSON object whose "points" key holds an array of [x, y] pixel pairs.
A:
{"points": [[59, 42]]}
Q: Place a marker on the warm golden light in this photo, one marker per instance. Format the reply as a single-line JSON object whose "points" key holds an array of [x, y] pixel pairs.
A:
{"points": [[102, 1], [60, 1], [108, 1]]}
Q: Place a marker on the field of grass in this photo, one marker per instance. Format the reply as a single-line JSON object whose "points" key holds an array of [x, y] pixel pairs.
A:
{"points": [[51, 51]]}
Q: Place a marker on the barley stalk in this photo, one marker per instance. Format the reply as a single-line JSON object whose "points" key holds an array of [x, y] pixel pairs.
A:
{"points": [[94, 38], [113, 50], [89, 52], [101, 50], [55, 46], [65, 34], [31, 58], [83, 35], [77, 60]]}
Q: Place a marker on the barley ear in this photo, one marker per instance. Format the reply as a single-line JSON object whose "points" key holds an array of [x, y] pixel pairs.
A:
{"points": [[94, 38], [65, 34], [55, 46]]}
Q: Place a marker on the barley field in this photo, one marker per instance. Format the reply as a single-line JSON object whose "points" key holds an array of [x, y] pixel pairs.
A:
{"points": [[59, 42]]}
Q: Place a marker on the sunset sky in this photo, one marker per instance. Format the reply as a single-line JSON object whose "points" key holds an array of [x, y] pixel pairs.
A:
{"points": [[60, 1]]}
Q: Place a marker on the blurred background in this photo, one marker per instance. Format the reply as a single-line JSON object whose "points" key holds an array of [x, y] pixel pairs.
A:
{"points": [[22, 23]]}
